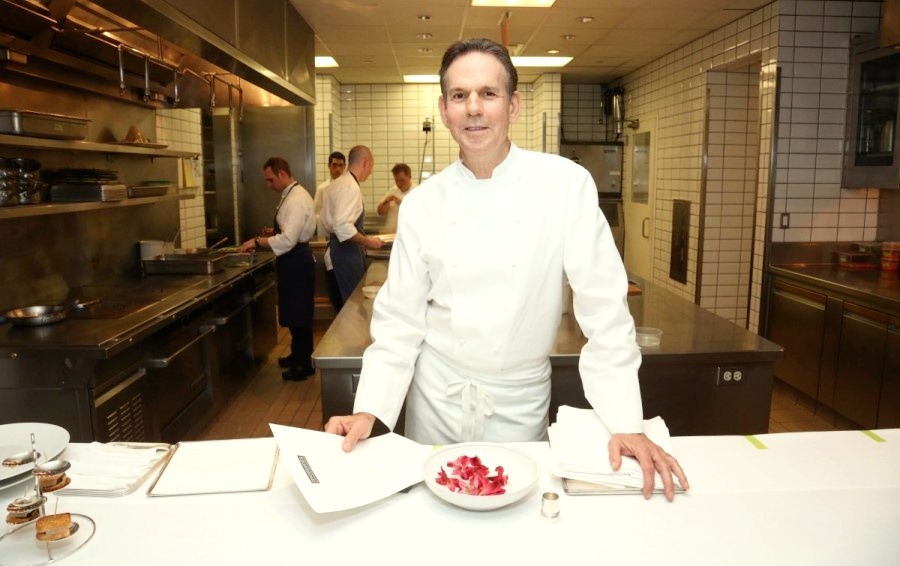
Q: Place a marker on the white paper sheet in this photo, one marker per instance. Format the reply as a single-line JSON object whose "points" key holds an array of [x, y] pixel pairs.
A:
{"points": [[333, 480]]}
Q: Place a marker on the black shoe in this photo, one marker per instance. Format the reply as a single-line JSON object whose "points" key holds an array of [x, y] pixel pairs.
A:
{"points": [[297, 374], [286, 362]]}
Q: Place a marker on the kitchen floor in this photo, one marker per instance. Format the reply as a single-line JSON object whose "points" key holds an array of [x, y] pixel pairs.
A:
{"points": [[269, 399]]}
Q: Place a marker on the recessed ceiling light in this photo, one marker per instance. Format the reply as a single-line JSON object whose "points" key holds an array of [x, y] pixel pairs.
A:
{"points": [[584, 19], [513, 3], [421, 78], [541, 61], [424, 35], [325, 62], [424, 50], [423, 17], [553, 51], [568, 36]]}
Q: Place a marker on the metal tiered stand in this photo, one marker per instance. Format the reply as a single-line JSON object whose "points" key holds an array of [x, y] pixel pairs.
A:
{"points": [[20, 540]]}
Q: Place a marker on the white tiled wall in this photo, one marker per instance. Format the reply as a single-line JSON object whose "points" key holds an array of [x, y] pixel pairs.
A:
{"points": [[583, 116], [180, 129], [388, 119], [808, 40]]}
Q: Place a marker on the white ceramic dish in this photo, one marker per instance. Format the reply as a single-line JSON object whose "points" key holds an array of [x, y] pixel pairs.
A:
{"points": [[15, 438], [522, 470], [369, 291]]}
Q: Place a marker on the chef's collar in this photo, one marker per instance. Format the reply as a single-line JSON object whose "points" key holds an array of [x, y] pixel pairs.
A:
{"points": [[501, 169]]}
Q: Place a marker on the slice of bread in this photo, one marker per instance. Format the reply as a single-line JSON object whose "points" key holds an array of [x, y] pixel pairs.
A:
{"points": [[54, 527]]}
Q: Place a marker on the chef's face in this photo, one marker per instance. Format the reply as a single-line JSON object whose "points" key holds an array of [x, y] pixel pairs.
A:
{"points": [[336, 168], [403, 181], [477, 108], [366, 169], [275, 181]]}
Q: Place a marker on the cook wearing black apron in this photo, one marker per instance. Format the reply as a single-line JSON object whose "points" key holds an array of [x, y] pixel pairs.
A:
{"points": [[349, 260], [296, 290]]}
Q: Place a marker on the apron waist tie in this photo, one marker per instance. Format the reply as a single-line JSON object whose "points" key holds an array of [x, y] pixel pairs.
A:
{"points": [[473, 410]]}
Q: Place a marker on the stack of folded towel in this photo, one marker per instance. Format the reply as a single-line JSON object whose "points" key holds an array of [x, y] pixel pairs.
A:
{"points": [[578, 449], [110, 467]]}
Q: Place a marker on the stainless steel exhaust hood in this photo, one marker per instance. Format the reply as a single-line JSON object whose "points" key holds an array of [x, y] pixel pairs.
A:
{"points": [[204, 52]]}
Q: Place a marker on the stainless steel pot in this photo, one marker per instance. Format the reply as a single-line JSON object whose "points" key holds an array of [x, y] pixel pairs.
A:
{"points": [[40, 315]]}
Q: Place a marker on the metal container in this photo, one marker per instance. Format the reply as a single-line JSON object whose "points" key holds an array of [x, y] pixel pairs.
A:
{"points": [[185, 264], [42, 125], [87, 192]]}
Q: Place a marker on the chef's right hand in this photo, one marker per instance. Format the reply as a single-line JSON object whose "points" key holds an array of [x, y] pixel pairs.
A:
{"points": [[353, 428], [374, 242]]}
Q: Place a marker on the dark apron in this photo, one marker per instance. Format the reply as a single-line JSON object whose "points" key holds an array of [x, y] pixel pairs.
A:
{"points": [[296, 284], [349, 260]]}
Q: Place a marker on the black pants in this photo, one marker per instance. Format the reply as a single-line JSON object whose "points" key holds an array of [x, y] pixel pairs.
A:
{"points": [[334, 292], [301, 347]]}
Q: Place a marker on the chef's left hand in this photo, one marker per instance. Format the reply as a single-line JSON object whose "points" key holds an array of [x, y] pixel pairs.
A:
{"points": [[652, 459]]}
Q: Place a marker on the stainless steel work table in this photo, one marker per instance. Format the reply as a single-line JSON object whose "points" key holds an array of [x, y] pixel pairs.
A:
{"points": [[681, 379]]}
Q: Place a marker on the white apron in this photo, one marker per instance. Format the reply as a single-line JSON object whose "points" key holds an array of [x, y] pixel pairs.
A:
{"points": [[447, 404]]}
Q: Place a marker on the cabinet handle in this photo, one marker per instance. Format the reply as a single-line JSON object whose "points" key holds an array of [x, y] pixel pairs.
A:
{"points": [[644, 223], [225, 319], [265, 289], [160, 363]]}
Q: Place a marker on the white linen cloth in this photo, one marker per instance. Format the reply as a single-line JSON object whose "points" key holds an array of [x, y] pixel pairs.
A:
{"points": [[105, 467], [476, 278], [578, 449]]}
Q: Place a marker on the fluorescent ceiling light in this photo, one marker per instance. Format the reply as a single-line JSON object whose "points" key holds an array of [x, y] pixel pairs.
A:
{"points": [[513, 3], [421, 79], [325, 62], [541, 61]]}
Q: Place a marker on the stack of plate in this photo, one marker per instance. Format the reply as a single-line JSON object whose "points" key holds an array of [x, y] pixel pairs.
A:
{"points": [[15, 438]]}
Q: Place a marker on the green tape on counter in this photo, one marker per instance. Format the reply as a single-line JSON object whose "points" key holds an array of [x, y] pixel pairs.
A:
{"points": [[873, 436], [756, 442]]}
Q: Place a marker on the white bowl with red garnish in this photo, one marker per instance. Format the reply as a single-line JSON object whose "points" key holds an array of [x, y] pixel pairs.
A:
{"points": [[467, 475]]}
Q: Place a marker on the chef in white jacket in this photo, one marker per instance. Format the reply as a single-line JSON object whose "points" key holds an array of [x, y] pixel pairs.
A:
{"points": [[463, 327]]}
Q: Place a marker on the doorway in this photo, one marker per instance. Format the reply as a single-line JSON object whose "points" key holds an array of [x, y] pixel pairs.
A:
{"points": [[638, 198]]}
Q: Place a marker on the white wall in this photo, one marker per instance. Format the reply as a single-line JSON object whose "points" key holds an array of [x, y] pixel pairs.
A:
{"points": [[181, 130], [808, 40], [388, 119]]}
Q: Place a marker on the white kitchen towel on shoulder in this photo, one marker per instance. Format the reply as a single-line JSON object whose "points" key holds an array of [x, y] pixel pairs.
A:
{"points": [[579, 449]]}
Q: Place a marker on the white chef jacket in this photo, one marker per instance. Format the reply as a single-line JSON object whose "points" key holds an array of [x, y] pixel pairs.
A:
{"points": [[473, 300], [296, 218], [318, 200], [390, 220], [342, 204]]}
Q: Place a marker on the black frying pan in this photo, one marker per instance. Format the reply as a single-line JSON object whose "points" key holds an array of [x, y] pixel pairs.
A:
{"points": [[40, 315]]}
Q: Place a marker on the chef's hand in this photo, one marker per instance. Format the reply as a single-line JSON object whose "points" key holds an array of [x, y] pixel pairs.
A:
{"points": [[248, 245], [373, 242], [652, 459], [353, 428]]}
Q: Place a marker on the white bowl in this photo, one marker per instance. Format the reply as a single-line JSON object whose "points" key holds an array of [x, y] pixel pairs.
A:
{"points": [[523, 473], [369, 291]]}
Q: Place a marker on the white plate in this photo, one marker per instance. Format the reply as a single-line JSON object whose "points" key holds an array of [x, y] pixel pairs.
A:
{"points": [[15, 438], [523, 473]]}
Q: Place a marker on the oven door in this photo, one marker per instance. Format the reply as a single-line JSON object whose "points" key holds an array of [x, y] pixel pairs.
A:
{"points": [[180, 380]]}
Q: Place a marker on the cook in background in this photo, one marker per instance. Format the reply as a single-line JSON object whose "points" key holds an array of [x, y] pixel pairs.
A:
{"points": [[463, 327], [342, 216], [336, 163], [294, 225], [390, 204]]}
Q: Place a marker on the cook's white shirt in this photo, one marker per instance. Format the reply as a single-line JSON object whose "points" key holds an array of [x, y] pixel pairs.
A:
{"points": [[296, 218], [342, 204], [318, 200], [390, 220], [476, 274]]}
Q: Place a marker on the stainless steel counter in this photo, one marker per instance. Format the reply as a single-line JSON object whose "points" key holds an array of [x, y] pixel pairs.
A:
{"points": [[879, 288], [680, 379], [152, 302]]}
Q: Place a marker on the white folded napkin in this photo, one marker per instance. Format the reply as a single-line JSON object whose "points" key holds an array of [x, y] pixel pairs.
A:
{"points": [[578, 449], [106, 467]]}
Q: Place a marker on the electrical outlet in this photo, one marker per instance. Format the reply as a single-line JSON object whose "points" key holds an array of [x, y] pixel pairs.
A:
{"points": [[785, 220], [729, 376]]}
